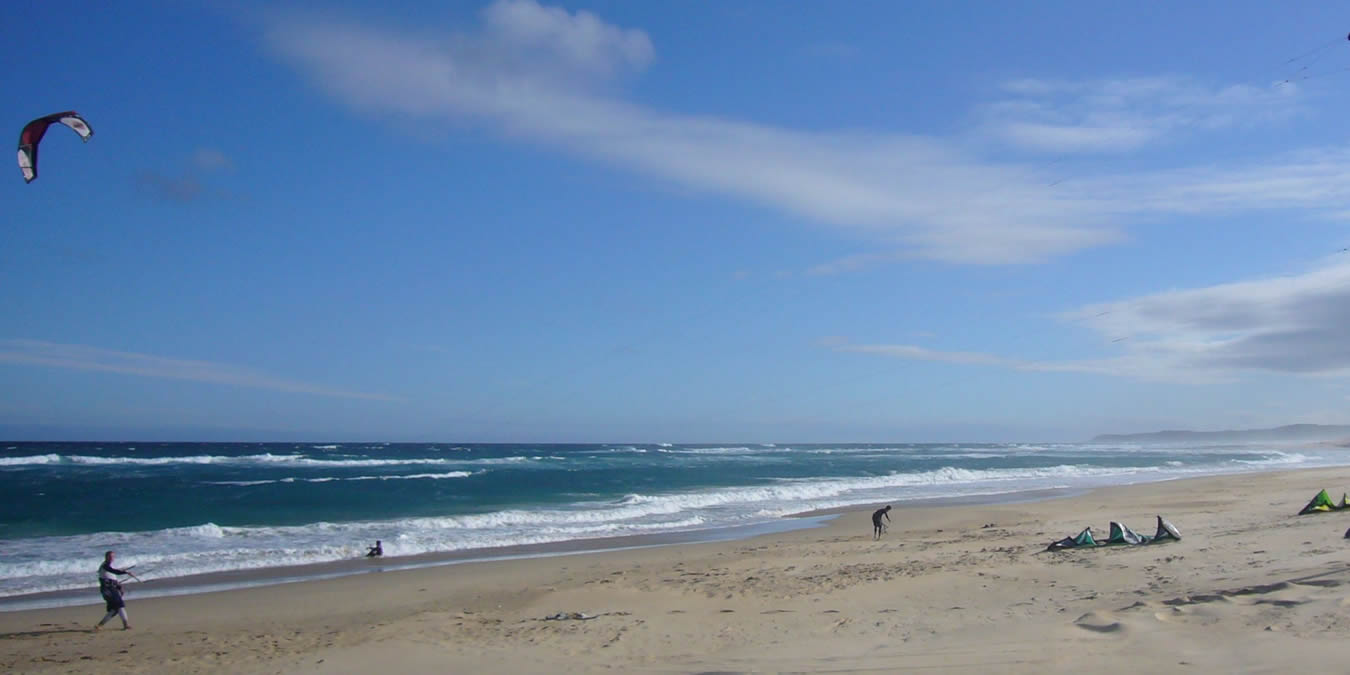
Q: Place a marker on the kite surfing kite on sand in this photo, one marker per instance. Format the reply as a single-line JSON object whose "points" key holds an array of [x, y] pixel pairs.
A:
{"points": [[32, 135]]}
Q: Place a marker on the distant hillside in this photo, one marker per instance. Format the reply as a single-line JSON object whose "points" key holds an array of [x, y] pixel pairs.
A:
{"points": [[1292, 432]]}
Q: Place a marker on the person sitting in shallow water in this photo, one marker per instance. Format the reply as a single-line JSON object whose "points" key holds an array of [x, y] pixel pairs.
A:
{"points": [[375, 551]]}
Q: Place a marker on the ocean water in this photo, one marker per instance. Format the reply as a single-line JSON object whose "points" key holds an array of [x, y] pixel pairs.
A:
{"points": [[176, 509]]}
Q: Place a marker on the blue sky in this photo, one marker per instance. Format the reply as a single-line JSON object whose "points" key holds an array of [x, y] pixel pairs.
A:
{"points": [[648, 222]]}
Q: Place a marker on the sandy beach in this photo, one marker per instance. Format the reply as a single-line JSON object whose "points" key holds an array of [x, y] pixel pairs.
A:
{"points": [[1250, 588]]}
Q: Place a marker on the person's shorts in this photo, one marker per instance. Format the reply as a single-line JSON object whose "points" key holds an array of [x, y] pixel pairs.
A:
{"points": [[113, 600]]}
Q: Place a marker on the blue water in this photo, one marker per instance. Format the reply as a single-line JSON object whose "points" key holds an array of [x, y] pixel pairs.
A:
{"points": [[175, 509]]}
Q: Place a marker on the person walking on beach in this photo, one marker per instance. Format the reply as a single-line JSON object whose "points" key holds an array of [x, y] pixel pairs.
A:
{"points": [[111, 589], [877, 527]]}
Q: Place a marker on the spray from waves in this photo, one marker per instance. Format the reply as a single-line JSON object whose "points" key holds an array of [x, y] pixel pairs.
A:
{"points": [[799, 492], [797, 495], [1280, 458], [52, 563], [718, 451], [263, 459], [205, 548], [32, 459], [433, 476], [211, 548], [887, 453], [329, 479]]}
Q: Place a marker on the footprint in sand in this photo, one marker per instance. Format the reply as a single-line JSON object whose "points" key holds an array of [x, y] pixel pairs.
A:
{"points": [[1099, 622], [1196, 614]]}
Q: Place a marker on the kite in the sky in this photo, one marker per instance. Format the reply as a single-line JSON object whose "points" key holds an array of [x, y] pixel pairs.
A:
{"points": [[32, 135]]}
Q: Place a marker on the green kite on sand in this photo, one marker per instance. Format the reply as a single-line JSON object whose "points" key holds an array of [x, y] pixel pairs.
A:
{"points": [[1322, 502], [1120, 535]]}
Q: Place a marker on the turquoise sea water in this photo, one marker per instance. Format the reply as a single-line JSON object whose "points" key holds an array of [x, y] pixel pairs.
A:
{"points": [[176, 509]]}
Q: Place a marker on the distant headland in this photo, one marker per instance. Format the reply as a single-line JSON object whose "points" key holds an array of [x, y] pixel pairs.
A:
{"points": [[1291, 432]]}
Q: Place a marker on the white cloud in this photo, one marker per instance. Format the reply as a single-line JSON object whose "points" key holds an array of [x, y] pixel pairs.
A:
{"points": [[1097, 135], [581, 40], [1285, 325], [898, 188], [1294, 324], [855, 262], [538, 74], [916, 353], [1304, 180], [83, 357], [1116, 115]]}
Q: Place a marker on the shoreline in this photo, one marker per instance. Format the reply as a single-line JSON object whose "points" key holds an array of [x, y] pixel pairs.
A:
{"points": [[284, 554], [230, 580], [1251, 587]]}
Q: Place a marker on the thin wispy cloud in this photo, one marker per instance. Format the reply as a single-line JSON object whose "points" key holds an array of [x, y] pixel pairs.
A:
{"points": [[211, 159], [187, 183], [893, 187], [179, 189], [1115, 115], [87, 358], [546, 76], [1313, 182], [1284, 325]]}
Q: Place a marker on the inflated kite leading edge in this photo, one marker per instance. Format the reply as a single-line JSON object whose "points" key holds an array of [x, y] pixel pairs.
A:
{"points": [[32, 135], [1120, 534]]}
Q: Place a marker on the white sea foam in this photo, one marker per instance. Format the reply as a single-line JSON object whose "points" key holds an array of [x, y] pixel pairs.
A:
{"points": [[1278, 458], [263, 459], [328, 479], [718, 451], [448, 474], [31, 459], [211, 548], [52, 563]]}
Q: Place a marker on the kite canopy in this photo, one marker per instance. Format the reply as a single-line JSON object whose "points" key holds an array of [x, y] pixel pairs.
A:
{"points": [[32, 135], [1323, 502], [1165, 531], [1084, 538], [1120, 535]]}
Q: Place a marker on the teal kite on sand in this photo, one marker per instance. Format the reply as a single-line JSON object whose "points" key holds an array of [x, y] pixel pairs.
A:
{"points": [[1120, 535]]}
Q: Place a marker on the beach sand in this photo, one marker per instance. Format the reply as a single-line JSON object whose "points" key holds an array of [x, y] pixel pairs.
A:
{"points": [[961, 589]]}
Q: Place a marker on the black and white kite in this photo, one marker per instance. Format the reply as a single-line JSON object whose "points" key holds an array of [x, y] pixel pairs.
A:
{"points": [[32, 135]]}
